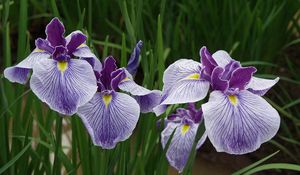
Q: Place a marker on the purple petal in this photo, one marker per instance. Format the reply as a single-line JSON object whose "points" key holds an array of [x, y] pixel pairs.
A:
{"points": [[60, 54], [216, 81], [63, 86], [207, 60], [241, 77], [20, 72], [146, 98], [222, 58], [133, 62], [76, 39], [117, 76], [186, 91], [229, 69], [110, 118], [149, 101], [43, 44], [181, 143], [55, 33], [239, 124], [109, 67], [260, 86]]}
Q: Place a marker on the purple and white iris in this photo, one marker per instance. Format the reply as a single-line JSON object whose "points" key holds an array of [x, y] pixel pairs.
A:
{"points": [[237, 119], [186, 123], [111, 116], [58, 79]]}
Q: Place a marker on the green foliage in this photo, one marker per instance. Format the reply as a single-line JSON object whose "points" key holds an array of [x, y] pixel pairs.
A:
{"points": [[256, 31]]}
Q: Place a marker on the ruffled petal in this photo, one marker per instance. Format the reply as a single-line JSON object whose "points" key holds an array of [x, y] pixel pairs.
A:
{"points": [[110, 118], [261, 86], [63, 86], [20, 72], [181, 144], [239, 124], [241, 77], [222, 58], [146, 98], [55, 33], [207, 60]]}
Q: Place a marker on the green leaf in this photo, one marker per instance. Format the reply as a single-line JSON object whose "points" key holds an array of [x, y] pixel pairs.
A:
{"points": [[16, 158]]}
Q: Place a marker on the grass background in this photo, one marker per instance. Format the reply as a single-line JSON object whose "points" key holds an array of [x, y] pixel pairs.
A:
{"points": [[264, 33]]}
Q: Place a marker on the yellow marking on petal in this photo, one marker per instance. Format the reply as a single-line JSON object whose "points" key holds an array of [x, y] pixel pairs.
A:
{"points": [[106, 99], [126, 79], [184, 129], [38, 50], [62, 66], [194, 76], [81, 45], [233, 99]]}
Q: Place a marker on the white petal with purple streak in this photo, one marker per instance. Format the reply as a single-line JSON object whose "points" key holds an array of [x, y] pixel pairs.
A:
{"points": [[222, 58], [146, 98], [181, 144], [20, 72], [260, 86], [63, 90], [239, 124], [110, 119]]}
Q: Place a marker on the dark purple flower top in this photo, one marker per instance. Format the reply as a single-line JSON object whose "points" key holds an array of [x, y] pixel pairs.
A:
{"points": [[110, 76], [56, 44], [229, 79], [187, 116]]}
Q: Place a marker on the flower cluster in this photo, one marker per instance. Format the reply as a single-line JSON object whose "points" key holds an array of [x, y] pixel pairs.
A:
{"points": [[70, 79], [236, 118]]}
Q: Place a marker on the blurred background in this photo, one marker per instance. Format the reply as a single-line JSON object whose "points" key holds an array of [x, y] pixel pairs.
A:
{"points": [[263, 33]]}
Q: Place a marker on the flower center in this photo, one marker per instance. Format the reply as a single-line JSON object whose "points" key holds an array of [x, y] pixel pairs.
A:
{"points": [[106, 99], [62, 65], [185, 128], [233, 99], [194, 76]]}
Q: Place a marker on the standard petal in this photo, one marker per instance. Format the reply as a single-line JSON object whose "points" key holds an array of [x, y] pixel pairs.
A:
{"points": [[181, 144], [63, 87], [239, 124], [207, 60], [55, 33], [222, 58], [110, 118], [20, 72], [76, 39], [241, 77], [186, 91], [260, 86], [146, 98], [133, 62]]}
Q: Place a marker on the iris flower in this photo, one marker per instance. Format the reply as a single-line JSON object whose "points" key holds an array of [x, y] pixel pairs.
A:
{"points": [[111, 116], [237, 119], [58, 79], [186, 122]]}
